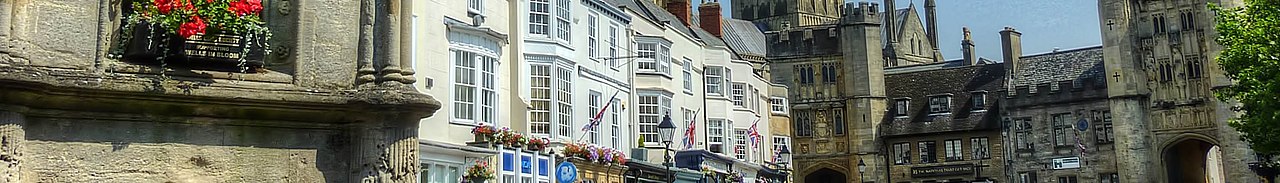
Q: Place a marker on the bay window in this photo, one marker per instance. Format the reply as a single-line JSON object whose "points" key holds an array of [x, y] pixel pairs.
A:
{"points": [[474, 94], [653, 106]]}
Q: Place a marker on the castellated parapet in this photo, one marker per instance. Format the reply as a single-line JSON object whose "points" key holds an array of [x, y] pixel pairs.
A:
{"points": [[1060, 92]]}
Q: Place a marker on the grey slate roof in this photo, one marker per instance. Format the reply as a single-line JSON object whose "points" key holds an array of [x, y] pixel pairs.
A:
{"points": [[744, 37], [960, 82], [1082, 63]]}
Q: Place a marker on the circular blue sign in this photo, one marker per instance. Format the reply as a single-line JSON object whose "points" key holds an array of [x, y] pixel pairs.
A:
{"points": [[1082, 125], [566, 172]]}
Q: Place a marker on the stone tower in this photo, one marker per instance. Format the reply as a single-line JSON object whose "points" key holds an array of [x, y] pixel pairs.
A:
{"points": [[1159, 69], [781, 14], [864, 83]]}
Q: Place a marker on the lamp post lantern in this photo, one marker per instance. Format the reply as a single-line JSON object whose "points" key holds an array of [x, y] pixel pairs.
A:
{"points": [[862, 169], [666, 131]]}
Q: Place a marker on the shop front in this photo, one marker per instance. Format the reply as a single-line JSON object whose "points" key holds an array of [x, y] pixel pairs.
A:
{"points": [[524, 165]]}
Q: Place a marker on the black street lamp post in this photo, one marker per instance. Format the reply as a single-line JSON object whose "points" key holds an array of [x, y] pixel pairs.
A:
{"points": [[666, 131], [862, 169]]}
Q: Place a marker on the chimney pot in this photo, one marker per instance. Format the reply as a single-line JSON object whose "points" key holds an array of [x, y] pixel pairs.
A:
{"points": [[1011, 41], [681, 9], [709, 18]]}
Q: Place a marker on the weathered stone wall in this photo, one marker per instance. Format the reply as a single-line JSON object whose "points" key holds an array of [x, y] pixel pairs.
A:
{"points": [[107, 150]]}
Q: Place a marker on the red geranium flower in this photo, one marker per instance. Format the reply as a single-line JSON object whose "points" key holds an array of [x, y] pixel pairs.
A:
{"points": [[245, 7], [254, 5], [163, 5], [191, 28], [187, 5]]}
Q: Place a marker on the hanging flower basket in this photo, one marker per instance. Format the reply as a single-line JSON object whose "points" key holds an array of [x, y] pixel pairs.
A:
{"points": [[216, 50], [211, 34]]}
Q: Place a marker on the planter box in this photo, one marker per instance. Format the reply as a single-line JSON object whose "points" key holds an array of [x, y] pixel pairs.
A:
{"points": [[212, 50]]}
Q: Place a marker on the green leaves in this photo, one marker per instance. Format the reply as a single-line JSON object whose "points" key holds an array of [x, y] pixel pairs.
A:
{"points": [[217, 14], [1251, 58]]}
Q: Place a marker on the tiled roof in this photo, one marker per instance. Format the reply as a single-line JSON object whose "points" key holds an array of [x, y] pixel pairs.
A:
{"points": [[960, 82], [653, 12], [707, 37], [1053, 67], [744, 37]]}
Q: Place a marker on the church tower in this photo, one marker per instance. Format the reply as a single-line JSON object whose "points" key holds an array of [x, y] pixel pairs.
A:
{"points": [[775, 15], [1160, 71], [863, 66]]}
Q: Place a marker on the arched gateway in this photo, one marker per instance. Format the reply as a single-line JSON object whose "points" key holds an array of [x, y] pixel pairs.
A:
{"points": [[825, 175], [1193, 160]]}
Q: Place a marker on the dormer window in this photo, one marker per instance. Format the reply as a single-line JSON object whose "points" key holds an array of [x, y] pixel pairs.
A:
{"points": [[900, 106], [940, 104], [979, 100]]}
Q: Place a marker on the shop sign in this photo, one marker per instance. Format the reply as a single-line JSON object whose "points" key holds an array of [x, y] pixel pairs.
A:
{"points": [[945, 170], [566, 172], [1066, 163]]}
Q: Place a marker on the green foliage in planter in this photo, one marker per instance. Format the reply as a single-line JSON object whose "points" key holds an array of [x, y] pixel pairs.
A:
{"points": [[191, 17]]}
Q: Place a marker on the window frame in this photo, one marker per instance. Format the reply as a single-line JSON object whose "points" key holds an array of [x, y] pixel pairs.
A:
{"points": [[543, 9], [778, 105], [954, 150], [562, 16], [928, 151], [479, 79], [615, 124], [536, 124], [781, 142], [716, 135], [475, 7], [593, 106], [661, 105], [1103, 133], [714, 77], [902, 107], [687, 70], [565, 109], [613, 46], [1024, 141], [593, 37], [738, 94], [981, 148], [740, 150], [940, 104], [1061, 127], [902, 153], [979, 101]]}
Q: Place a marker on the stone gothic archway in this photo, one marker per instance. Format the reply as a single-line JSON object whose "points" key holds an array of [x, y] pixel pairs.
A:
{"points": [[825, 175], [1192, 160]]}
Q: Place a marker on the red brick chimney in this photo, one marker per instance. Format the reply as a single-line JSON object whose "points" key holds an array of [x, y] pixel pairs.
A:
{"points": [[709, 18], [681, 9]]}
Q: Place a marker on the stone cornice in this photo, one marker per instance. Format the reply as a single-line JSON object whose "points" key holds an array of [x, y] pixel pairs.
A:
{"points": [[69, 89]]}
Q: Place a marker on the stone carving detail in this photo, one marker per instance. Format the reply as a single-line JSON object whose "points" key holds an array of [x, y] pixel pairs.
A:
{"points": [[380, 57], [11, 136]]}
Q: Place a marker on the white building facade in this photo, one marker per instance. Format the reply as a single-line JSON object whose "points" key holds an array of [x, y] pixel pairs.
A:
{"points": [[548, 67], [462, 54]]}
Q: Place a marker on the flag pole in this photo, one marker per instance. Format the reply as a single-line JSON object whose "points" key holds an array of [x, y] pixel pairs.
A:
{"points": [[595, 121]]}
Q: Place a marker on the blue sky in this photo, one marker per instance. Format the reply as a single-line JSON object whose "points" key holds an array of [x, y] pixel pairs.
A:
{"points": [[1045, 25]]}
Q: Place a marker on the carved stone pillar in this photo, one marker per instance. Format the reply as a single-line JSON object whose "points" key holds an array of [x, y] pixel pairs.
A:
{"points": [[6, 12], [406, 43], [386, 44], [365, 72], [387, 151], [11, 137]]}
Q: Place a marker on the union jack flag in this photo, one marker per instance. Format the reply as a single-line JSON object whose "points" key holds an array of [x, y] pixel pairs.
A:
{"points": [[753, 134], [691, 130], [595, 121], [777, 155]]}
